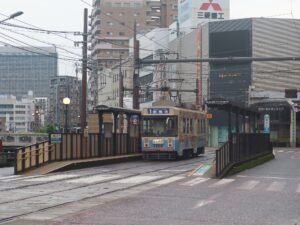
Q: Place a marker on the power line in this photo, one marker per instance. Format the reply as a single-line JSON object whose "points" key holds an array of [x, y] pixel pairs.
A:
{"points": [[41, 30], [37, 53], [69, 39], [44, 42]]}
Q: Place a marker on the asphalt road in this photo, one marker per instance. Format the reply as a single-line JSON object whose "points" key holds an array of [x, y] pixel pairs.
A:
{"points": [[268, 194], [161, 193]]}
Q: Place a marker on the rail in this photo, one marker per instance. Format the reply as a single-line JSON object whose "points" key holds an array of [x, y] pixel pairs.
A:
{"points": [[239, 148]]}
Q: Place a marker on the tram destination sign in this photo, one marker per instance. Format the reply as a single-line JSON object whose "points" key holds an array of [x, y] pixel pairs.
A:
{"points": [[158, 111], [217, 102]]}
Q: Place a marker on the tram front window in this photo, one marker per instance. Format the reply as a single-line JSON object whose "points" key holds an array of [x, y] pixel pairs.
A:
{"points": [[164, 126]]}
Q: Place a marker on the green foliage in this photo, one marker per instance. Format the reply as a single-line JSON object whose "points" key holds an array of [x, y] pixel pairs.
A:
{"points": [[49, 128]]}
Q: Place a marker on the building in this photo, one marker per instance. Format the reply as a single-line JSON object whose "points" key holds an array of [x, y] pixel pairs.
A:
{"points": [[27, 69], [61, 87], [242, 83], [2, 125], [17, 113], [113, 21]]}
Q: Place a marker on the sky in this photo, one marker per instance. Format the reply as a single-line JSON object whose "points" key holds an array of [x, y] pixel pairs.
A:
{"points": [[67, 15]]}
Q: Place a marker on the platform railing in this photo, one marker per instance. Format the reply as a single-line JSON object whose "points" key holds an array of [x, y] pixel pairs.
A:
{"points": [[74, 146], [239, 148]]}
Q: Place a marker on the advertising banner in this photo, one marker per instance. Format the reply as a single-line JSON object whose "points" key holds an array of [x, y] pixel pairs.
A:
{"points": [[193, 12]]}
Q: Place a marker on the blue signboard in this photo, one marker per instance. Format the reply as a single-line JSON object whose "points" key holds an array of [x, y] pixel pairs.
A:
{"points": [[158, 111], [267, 123]]}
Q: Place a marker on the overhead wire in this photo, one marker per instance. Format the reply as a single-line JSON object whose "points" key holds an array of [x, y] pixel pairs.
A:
{"points": [[38, 40]]}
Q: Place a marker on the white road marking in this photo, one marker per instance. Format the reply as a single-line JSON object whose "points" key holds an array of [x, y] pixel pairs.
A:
{"points": [[207, 201], [222, 182], [203, 203], [298, 189], [195, 181], [92, 179], [248, 185], [168, 180], [135, 180], [174, 170], [9, 177], [52, 178], [21, 178], [275, 178], [276, 186]]}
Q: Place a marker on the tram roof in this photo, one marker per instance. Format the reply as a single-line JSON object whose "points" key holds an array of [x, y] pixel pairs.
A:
{"points": [[108, 109]]}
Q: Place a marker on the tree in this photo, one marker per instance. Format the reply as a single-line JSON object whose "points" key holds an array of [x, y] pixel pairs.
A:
{"points": [[49, 128]]}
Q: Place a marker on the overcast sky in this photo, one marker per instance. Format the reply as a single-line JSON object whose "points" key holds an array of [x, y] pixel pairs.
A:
{"points": [[67, 15]]}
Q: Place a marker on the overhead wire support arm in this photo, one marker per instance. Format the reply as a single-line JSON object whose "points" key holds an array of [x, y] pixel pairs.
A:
{"points": [[221, 60]]}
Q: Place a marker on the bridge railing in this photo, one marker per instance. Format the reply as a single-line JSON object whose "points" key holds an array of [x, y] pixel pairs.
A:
{"points": [[239, 148], [75, 146]]}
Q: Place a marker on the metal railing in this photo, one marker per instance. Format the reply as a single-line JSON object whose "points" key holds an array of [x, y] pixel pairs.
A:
{"points": [[239, 148]]}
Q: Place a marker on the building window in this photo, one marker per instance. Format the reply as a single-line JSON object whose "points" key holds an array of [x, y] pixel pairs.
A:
{"points": [[121, 33], [136, 14], [109, 23], [122, 23], [109, 33], [121, 14], [109, 13]]}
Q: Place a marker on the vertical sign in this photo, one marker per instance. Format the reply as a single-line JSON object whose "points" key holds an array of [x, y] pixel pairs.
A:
{"points": [[267, 123], [199, 66]]}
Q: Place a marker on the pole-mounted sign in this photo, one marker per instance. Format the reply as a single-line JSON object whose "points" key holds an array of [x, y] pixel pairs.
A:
{"points": [[267, 123]]}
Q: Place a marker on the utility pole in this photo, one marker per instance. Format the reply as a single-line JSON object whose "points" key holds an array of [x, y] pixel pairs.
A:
{"points": [[121, 85], [84, 71], [136, 47], [163, 12]]}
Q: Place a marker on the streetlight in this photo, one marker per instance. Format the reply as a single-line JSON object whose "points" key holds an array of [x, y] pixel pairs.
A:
{"points": [[12, 16], [66, 102]]}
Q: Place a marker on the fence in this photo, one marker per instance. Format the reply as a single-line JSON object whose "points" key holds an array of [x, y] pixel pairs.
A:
{"points": [[75, 146], [239, 148]]}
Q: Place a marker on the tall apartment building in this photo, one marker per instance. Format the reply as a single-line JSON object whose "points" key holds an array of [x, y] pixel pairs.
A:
{"points": [[61, 87], [112, 23], [27, 69]]}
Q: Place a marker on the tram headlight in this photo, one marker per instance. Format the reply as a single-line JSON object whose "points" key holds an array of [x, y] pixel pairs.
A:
{"points": [[146, 142], [170, 143]]}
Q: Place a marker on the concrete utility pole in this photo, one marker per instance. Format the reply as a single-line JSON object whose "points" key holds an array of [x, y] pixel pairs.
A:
{"points": [[163, 14], [84, 71], [136, 49]]}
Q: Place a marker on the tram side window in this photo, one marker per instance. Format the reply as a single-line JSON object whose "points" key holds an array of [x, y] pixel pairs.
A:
{"points": [[191, 126], [187, 125], [202, 126], [198, 126], [183, 125]]}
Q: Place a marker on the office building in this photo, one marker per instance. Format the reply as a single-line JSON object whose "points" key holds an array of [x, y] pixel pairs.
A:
{"points": [[27, 69]]}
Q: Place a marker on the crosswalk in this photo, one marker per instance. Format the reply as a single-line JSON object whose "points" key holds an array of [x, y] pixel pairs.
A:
{"points": [[268, 184]]}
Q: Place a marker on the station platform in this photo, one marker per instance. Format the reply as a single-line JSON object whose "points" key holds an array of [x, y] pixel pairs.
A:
{"points": [[80, 163]]}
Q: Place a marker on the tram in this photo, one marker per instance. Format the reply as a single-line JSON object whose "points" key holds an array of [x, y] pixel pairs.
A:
{"points": [[169, 132]]}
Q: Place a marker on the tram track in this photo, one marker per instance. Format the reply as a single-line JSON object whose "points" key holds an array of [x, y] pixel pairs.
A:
{"points": [[102, 182], [80, 176], [12, 218], [193, 162]]}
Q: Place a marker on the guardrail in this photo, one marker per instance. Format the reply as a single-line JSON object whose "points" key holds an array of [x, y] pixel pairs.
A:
{"points": [[74, 146], [239, 148]]}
